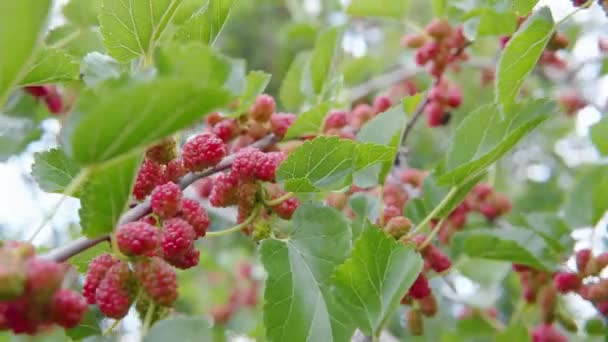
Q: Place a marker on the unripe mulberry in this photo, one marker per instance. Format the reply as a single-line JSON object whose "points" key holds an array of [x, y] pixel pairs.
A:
{"points": [[267, 165], [177, 237], [166, 199], [163, 152], [263, 107], [567, 281], [398, 226], [226, 130], [68, 308], [95, 274], [279, 123], [438, 260], [112, 295], [158, 280], [137, 238], [188, 260], [224, 190], [196, 215], [335, 119], [246, 195], [175, 170], [415, 323], [149, 176], [142, 306], [420, 288], [428, 306], [203, 151]]}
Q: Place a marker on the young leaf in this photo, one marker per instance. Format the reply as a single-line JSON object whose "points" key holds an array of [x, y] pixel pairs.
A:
{"points": [[105, 126], [587, 201], [367, 209], [385, 129], [309, 122], [483, 137], [106, 194], [520, 56], [373, 280], [82, 13], [76, 41], [52, 65], [21, 26], [207, 24], [257, 81], [599, 134], [291, 93], [378, 8], [323, 57], [514, 244], [298, 304], [53, 170], [182, 328], [439, 7], [493, 23], [131, 28], [523, 7]]}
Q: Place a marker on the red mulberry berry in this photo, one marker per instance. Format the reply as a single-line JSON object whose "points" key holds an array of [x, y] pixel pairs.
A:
{"points": [[428, 306], [68, 308], [196, 215], [263, 107], [166, 199], [335, 119], [54, 102], [245, 163], [224, 190], [398, 226], [279, 123], [439, 261], [158, 280], [43, 278], [203, 187], [175, 170], [547, 333], [149, 176], [163, 152], [177, 237], [203, 151], [97, 270], [188, 260], [382, 103], [112, 295], [38, 91], [420, 288], [286, 208], [18, 317], [582, 259], [434, 114], [226, 129], [267, 165], [567, 281], [137, 238]]}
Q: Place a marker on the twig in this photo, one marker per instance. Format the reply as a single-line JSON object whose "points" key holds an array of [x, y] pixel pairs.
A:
{"points": [[415, 117], [77, 246], [380, 82]]}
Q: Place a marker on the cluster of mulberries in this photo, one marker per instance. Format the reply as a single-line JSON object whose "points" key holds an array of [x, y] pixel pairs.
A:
{"points": [[31, 296]]}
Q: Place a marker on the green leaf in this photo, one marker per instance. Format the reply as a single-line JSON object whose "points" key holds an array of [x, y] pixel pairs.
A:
{"points": [[367, 209], [53, 170], [523, 7], [519, 57], [514, 244], [309, 122], [52, 65], [22, 24], [180, 329], [75, 40], [131, 28], [105, 126], [257, 81], [298, 304], [371, 283], [88, 327], [82, 260], [82, 13], [385, 129], [517, 333], [323, 57], [378, 8], [291, 93], [487, 273], [207, 24], [483, 137], [328, 163], [493, 23], [599, 136], [439, 7], [587, 201], [97, 67], [553, 229], [106, 195], [16, 134]]}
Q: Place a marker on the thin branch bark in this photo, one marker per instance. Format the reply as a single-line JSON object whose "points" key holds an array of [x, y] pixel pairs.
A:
{"points": [[63, 253]]}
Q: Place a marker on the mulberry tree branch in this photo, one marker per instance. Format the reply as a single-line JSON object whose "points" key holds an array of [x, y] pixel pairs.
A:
{"points": [[77, 246]]}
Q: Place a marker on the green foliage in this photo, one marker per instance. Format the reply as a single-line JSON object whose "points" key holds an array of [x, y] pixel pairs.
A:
{"points": [[520, 56], [257, 81], [131, 28], [308, 123], [292, 96], [379, 8], [50, 66], [587, 201], [17, 51], [372, 281], [599, 132], [53, 170], [320, 69], [298, 303], [207, 23]]}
